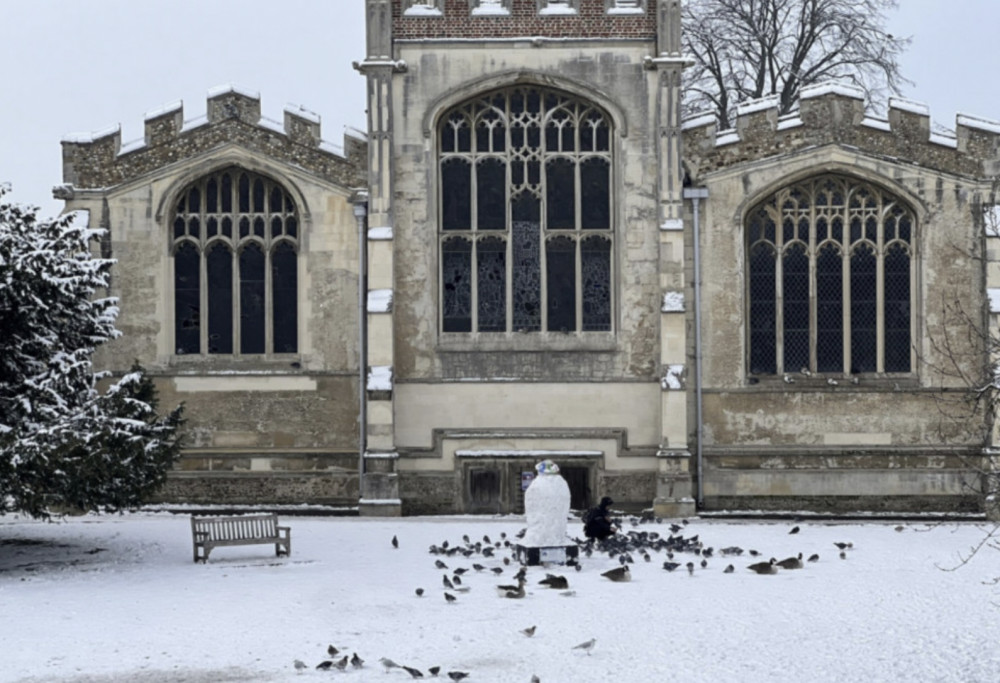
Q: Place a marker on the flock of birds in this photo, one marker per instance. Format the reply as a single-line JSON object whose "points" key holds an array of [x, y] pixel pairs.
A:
{"points": [[623, 547]]}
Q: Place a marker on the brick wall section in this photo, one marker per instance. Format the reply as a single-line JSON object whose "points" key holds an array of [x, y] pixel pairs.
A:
{"points": [[836, 119], [98, 164], [591, 21]]}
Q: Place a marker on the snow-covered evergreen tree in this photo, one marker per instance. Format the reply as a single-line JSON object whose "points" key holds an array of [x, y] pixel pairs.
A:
{"points": [[63, 444]]}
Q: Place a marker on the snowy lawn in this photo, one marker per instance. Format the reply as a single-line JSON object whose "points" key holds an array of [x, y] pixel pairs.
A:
{"points": [[118, 598]]}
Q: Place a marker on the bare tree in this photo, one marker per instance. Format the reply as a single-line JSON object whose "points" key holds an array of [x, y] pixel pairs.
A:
{"points": [[747, 49]]}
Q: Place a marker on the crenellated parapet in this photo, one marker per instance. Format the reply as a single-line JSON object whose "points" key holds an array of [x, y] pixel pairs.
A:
{"points": [[233, 116], [834, 113]]}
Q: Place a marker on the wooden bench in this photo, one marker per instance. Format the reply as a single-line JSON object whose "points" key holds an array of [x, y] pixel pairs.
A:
{"points": [[216, 532]]}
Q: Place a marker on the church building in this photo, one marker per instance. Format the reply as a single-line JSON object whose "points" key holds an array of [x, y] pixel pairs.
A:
{"points": [[529, 255]]}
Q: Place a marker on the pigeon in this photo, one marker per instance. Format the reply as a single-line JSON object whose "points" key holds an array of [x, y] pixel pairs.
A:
{"points": [[460, 571], [729, 569], [415, 673], [618, 574], [440, 565], [554, 581], [300, 665], [690, 568], [449, 597], [586, 646], [843, 555], [356, 661], [342, 664], [478, 567], [457, 675], [832, 382], [388, 663], [900, 528], [670, 566], [704, 564], [764, 567], [332, 651], [497, 570], [791, 562], [447, 582], [419, 592], [794, 530], [843, 546], [530, 631], [434, 670], [325, 665], [813, 558], [395, 542], [457, 580], [536, 679]]}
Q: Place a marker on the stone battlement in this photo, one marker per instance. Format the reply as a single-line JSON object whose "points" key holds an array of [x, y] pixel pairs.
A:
{"points": [[99, 159], [834, 113]]}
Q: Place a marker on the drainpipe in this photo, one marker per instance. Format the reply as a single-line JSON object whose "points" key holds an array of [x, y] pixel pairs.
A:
{"points": [[696, 194], [360, 214]]}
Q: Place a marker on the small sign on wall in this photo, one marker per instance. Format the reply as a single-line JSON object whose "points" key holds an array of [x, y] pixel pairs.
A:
{"points": [[526, 479]]}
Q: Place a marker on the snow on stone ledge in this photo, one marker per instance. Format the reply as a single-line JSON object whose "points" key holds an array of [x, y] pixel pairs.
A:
{"points": [[706, 118], [233, 88], [524, 453], [832, 88], [379, 234], [169, 108], [727, 137], [674, 378], [789, 121], [673, 302], [910, 106], [979, 124], [84, 138], [877, 124], [302, 112], [379, 378], [761, 104], [379, 300], [994, 294], [422, 9]]}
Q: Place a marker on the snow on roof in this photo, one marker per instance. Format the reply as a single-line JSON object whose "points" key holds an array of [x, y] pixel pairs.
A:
{"points": [[230, 87], [83, 138], [331, 147], [832, 87], [978, 123], [165, 109], [271, 124], [727, 137], [787, 121], [944, 140], [705, 118], [195, 122], [878, 124], [356, 133], [302, 112], [909, 105], [132, 145]]}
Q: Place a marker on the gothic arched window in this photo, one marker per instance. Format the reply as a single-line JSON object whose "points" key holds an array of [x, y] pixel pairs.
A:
{"points": [[526, 229], [830, 263], [235, 249]]}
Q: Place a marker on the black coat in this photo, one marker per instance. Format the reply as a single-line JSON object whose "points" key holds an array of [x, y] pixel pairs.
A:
{"points": [[596, 524]]}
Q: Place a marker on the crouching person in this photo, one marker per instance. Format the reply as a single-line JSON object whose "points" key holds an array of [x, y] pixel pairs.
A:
{"points": [[596, 523]]}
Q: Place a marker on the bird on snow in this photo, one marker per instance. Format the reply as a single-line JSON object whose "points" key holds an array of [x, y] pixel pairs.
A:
{"points": [[478, 567], [843, 555], [670, 566], [342, 664], [690, 568], [457, 580], [457, 675], [325, 665], [555, 581], [497, 570], [516, 593], [447, 582], [618, 574], [300, 665], [586, 646], [395, 542], [813, 558], [449, 597], [440, 565], [388, 663], [332, 651], [764, 567], [356, 661], [842, 545], [536, 679], [415, 673], [791, 562], [729, 569], [530, 631], [434, 670], [460, 571], [419, 592], [794, 530]]}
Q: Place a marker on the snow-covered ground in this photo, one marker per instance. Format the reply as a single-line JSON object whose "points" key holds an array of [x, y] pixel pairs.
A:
{"points": [[118, 598]]}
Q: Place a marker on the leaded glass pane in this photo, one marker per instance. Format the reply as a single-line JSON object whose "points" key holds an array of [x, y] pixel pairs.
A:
{"points": [[829, 310], [258, 196], [795, 307], [491, 283], [456, 194], [187, 300], [527, 272], [211, 196], [491, 195], [560, 282], [864, 310], [244, 192], [560, 194], [284, 299], [456, 280], [897, 309], [252, 300], [595, 194], [763, 316], [220, 299], [595, 262]]}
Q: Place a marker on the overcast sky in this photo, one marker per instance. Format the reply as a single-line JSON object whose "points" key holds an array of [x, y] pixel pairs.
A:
{"points": [[78, 66]]}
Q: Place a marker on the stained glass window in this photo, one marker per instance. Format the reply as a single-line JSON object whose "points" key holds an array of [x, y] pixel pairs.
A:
{"points": [[845, 285]]}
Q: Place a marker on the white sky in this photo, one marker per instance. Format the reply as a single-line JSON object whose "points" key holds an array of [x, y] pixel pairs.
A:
{"points": [[72, 66]]}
